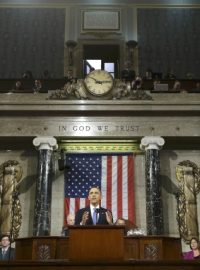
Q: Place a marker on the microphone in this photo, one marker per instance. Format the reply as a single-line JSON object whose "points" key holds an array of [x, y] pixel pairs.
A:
{"points": [[98, 210]]}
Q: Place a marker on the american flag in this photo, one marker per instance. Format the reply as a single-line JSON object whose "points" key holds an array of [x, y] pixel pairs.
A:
{"points": [[112, 173]]}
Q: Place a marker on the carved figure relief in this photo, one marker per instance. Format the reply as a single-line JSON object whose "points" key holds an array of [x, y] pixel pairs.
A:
{"points": [[98, 85], [188, 176], [10, 207]]}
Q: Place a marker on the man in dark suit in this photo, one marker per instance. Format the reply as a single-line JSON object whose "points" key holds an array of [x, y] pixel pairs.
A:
{"points": [[94, 214], [6, 251]]}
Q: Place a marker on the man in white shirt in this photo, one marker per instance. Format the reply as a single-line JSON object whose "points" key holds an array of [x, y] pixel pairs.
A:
{"points": [[94, 214]]}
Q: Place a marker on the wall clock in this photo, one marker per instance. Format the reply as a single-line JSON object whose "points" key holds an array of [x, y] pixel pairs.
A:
{"points": [[99, 82]]}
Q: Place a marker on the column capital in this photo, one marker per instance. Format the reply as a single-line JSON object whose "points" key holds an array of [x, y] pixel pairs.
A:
{"points": [[152, 142], [48, 143]]}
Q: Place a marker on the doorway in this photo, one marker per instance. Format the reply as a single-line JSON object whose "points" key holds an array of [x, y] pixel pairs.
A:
{"points": [[104, 56]]}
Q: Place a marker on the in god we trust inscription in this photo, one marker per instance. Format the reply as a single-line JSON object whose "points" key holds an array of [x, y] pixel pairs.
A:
{"points": [[93, 129]]}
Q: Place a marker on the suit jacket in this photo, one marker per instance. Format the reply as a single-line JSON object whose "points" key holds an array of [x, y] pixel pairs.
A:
{"points": [[101, 216], [65, 231], [9, 255]]}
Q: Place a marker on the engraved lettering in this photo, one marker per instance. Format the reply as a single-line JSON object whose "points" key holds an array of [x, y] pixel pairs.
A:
{"points": [[62, 128], [81, 128], [127, 128], [102, 128]]}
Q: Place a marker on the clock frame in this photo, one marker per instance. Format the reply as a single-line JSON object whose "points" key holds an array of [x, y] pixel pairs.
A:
{"points": [[99, 82]]}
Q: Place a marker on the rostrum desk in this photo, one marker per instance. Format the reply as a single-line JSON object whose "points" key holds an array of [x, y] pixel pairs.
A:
{"points": [[88, 243]]}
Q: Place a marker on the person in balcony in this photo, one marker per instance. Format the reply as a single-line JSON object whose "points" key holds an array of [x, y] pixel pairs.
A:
{"points": [[137, 83], [18, 86], [37, 87]]}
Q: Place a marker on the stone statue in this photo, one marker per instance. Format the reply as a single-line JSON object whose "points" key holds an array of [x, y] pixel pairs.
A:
{"points": [[188, 176], [10, 207]]}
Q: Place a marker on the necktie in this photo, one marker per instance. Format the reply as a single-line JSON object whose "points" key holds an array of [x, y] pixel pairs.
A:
{"points": [[94, 216], [3, 253]]}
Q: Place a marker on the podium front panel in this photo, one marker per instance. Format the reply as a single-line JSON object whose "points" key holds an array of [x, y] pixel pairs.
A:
{"points": [[87, 243]]}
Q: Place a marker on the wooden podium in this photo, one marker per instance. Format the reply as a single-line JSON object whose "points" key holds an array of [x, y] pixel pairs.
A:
{"points": [[100, 243], [91, 243]]}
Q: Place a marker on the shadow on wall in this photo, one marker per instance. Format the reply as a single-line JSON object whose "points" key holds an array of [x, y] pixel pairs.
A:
{"points": [[27, 187], [167, 184]]}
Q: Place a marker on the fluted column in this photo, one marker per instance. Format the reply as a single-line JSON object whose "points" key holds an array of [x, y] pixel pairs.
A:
{"points": [[42, 214], [154, 209]]}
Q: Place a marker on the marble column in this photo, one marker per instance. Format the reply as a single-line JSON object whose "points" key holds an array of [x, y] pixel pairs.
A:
{"points": [[154, 209], [42, 214]]}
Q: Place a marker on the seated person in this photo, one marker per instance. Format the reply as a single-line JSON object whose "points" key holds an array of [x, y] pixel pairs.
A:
{"points": [[197, 88], [137, 83], [148, 75], [93, 214], [170, 75], [128, 74], [121, 222], [156, 81], [194, 253], [177, 85], [37, 86], [6, 251], [71, 222], [18, 86], [128, 225]]}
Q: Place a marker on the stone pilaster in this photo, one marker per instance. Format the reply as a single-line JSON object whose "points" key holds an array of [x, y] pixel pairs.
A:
{"points": [[42, 214], [154, 209]]}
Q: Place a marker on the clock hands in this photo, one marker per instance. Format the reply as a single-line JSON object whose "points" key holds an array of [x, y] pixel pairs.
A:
{"points": [[99, 82], [105, 81], [93, 79]]}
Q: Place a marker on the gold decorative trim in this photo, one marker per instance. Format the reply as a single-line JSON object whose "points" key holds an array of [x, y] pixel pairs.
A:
{"points": [[100, 146], [188, 177], [10, 207]]}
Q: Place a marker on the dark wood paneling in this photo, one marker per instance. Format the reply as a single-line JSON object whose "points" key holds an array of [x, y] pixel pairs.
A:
{"points": [[109, 244], [96, 242], [101, 265]]}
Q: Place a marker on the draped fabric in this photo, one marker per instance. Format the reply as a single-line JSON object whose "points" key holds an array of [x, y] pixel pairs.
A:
{"points": [[112, 173]]}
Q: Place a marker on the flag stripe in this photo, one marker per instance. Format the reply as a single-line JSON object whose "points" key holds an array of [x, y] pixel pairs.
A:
{"points": [[109, 182], [131, 206], [125, 192], [103, 182], [114, 197], [119, 187]]}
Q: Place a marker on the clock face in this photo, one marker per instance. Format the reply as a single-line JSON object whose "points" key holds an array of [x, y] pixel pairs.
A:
{"points": [[99, 82]]}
